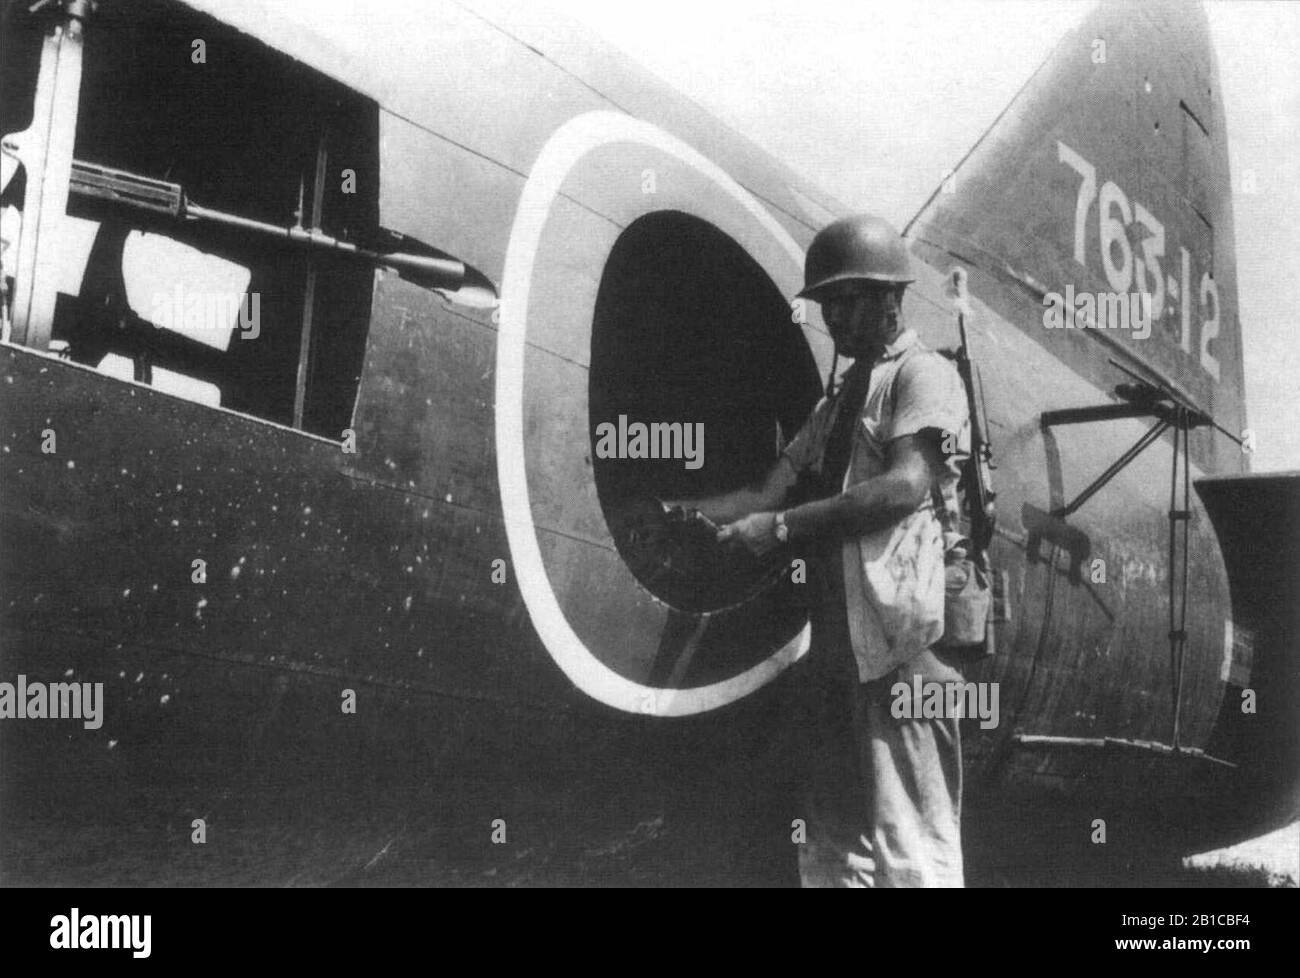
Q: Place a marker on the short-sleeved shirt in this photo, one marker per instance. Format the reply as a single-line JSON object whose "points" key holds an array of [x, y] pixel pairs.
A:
{"points": [[927, 395]]}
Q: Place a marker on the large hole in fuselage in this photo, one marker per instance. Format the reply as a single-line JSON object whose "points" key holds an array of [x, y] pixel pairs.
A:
{"points": [[690, 331]]}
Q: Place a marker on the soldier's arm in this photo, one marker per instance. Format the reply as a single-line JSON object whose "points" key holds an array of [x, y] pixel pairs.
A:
{"points": [[764, 494], [914, 461]]}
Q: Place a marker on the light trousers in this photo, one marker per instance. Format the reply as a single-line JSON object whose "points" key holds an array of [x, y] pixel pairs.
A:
{"points": [[882, 795]]}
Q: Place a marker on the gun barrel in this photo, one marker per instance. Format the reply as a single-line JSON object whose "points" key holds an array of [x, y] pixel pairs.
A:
{"points": [[161, 196]]}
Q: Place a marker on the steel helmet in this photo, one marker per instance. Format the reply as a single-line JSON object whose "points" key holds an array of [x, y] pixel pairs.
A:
{"points": [[862, 247]]}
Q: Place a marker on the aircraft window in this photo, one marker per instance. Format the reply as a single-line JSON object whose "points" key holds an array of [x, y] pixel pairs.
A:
{"points": [[690, 330], [157, 282]]}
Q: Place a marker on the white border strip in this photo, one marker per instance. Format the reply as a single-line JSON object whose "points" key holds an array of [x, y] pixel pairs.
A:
{"points": [[569, 144]]}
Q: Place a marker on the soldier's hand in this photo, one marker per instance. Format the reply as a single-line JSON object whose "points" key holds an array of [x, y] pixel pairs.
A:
{"points": [[755, 532]]}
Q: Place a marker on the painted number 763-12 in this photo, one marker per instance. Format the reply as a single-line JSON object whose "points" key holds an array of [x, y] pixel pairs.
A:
{"points": [[1126, 271]]}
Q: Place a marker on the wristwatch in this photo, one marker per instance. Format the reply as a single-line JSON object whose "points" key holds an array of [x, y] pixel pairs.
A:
{"points": [[782, 531]]}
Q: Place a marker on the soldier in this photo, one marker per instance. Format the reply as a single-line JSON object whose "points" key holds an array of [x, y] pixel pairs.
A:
{"points": [[863, 490]]}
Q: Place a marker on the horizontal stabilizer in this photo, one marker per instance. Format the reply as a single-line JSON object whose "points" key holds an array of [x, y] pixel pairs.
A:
{"points": [[1257, 520]]}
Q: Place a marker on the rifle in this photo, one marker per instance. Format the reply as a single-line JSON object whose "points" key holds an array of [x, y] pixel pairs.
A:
{"points": [[976, 480]]}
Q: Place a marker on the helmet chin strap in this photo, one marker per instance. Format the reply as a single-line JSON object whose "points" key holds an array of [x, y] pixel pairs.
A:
{"points": [[869, 354]]}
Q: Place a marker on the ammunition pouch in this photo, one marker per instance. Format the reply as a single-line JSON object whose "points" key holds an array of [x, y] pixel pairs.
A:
{"points": [[968, 602], [968, 592]]}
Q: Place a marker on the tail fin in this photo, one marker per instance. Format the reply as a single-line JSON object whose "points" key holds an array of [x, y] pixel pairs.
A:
{"points": [[1108, 175]]}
